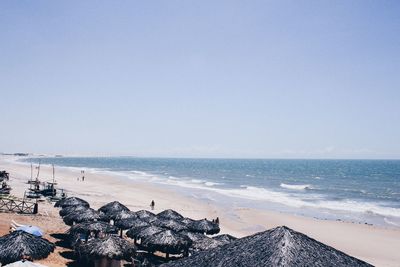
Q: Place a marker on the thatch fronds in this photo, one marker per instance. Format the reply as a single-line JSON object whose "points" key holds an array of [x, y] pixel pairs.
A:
{"points": [[119, 215], [82, 216], [93, 227], [130, 223], [186, 221], [167, 241], [177, 226], [280, 246], [204, 226], [146, 215], [225, 238], [170, 214], [19, 243], [113, 207], [201, 242], [144, 232], [111, 247], [67, 210], [71, 201]]}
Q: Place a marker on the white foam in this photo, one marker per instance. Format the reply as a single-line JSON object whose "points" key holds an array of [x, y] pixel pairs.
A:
{"points": [[296, 186]]}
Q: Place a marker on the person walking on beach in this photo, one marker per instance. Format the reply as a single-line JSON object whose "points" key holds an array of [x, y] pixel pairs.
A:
{"points": [[152, 204], [83, 175]]}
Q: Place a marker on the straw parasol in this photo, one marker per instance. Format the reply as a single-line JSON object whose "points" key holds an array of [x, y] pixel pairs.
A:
{"points": [[93, 227], [168, 241], [20, 244], [82, 216], [122, 214], [69, 209], [280, 246], [186, 221], [201, 241], [144, 232], [170, 214], [71, 201], [146, 215], [130, 223], [204, 226], [111, 247], [177, 226], [113, 207]]}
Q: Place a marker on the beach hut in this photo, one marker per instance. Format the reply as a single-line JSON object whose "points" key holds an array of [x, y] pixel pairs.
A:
{"points": [[108, 251], [170, 214], [70, 209], [146, 215], [143, 232], [19, 244], [113, 207], [82, 216], [171, 224], [169, 242], [204, 226], [280, 246], [71, 201]]}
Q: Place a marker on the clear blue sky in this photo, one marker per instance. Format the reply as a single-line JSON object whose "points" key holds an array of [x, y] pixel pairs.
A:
{"points": [[286, 79]]}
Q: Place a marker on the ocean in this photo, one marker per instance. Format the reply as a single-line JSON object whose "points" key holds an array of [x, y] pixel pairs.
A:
{"points": [[360, 191]]}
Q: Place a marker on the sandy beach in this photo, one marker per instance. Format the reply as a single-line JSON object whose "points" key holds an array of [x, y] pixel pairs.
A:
{"points": [[376, 245]]}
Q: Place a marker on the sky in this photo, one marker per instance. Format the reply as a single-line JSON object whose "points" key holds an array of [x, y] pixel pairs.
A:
{"points": [[240, 79]]}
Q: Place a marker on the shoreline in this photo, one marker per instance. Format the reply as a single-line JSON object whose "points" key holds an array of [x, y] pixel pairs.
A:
{"points": [[374, 244]]}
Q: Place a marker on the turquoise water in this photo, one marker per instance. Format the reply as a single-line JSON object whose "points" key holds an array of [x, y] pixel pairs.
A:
{"points": [[364, 191]]}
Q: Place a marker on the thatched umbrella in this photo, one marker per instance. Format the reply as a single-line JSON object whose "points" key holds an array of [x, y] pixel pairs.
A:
{"points": [[69, 209], [19, 244], [144, 232], [130, 223], [177, 226], [93, 227], [186, 221], [280, 246], [113, 207], [170, 214], [71, 201], [111, 247], [204, 226], [201, 241], [225, 238], [146, 215], [169, 242], [82, 216], [122, 214]]}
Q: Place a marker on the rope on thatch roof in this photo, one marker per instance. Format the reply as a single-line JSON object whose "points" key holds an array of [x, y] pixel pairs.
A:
{"points": [[170, 214], [167, 241], [280, 246], [19, 243], [71, 201], [204, 226], [113, 207], [112, 247]]}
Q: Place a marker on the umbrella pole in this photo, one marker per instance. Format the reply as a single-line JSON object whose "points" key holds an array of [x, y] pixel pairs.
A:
{"points": [[120, 233], [167, 256]]}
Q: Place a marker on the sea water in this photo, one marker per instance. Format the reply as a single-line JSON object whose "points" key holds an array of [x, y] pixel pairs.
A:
{"points": [[361, 191]]}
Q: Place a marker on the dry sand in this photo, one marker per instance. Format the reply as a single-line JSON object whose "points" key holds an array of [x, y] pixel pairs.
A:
{"points": [[376, 245]]}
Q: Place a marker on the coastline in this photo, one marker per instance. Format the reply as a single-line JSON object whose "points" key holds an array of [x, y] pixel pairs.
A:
{"points": [[374, 244]]}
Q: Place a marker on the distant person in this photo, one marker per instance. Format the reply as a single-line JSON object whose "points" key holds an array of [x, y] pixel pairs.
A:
{"points": [[152, 204], [83, 178], [217, 220]]}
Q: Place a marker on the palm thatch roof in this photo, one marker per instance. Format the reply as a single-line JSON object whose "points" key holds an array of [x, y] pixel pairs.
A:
{"points": [[280, 246], [170, 214], [131, 223], [95, 227], [225, 238], [19, 243], [204, 226], [69, 209], [122, 214], [146, 215], [71, 201], [167, 241], [113, 207], [177, 226], [144, 232], [201, 242], [112, 247], [186, 221], [82, 216]]}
